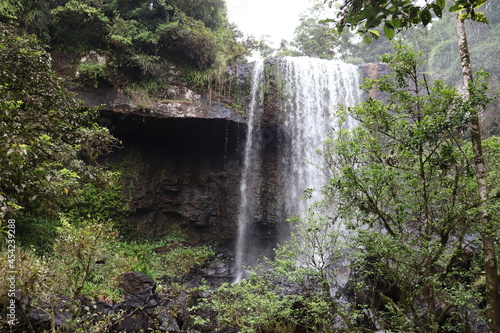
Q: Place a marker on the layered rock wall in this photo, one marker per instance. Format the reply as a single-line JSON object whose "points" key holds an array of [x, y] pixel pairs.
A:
{"points": [[181, 159]]}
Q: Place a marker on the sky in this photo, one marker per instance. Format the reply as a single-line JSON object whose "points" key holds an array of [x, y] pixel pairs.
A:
{"points": [[276, 18]]}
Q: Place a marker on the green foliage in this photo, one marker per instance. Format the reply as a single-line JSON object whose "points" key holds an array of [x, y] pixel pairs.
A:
{"points": [[140, 37], [211, 12], [252, 306], [398, 15], [78, 26], [86, 260], [314, 38], [83, 261], [177, 260], [100, 203], [142, 259], [38, 231], [401, 179], [183, 258], [44, 130], [89, 260], [8, 11], [263, 304], [492, 154], [317, 243], [92, 74]]}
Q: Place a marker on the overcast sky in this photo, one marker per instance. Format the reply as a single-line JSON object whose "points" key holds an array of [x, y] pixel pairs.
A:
{"points": [[276, 18]]}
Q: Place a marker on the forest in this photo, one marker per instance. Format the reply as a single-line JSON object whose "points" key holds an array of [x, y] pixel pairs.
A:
{"points": [[400, 236]]}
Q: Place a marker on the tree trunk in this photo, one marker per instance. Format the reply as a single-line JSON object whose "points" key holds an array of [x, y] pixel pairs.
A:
{"points": [[487, 229]]}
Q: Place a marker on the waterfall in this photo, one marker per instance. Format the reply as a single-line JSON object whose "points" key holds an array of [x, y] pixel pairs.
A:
{"points": [[309, 91], [251, 167]]}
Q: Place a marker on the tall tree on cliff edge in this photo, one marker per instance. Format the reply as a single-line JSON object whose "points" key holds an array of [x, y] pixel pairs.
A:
{"points": [[396, 15]]}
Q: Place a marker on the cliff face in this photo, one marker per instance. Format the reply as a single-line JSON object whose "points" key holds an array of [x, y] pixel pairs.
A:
{"points": [[180, 173], [182, 103], [181, 160]]}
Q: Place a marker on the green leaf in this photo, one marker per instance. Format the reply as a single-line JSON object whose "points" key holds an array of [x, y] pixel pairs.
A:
{"points": [[481, 18], [464, 16], [367, 40], [425, 16], [397, 23], [389, 31], [413, 14], [437, 10], [441, 3], [480, 3], [374, 33]]}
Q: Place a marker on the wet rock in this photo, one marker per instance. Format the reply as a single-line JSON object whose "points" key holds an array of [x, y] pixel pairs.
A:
{"points": [[168, 323], [217, 268], [179, 102], [142, 306], [137, 283]]}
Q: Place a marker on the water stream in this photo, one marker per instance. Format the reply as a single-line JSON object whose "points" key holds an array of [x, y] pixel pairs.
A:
{"points": [[251, 167], [310, 90]]}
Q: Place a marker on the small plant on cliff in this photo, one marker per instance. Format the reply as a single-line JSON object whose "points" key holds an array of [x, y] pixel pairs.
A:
{"points": [[93, 74]]}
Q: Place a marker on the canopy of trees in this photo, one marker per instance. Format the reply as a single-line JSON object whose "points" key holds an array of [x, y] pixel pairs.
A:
{"points": [[139, 37]]}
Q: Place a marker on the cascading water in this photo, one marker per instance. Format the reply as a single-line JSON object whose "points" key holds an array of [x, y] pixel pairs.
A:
{"points": [[251, 168], [310, 89]]}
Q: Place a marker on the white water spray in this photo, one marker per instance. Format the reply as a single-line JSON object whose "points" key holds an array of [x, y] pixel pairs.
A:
{"points": [[251, 167], [311, 90]]}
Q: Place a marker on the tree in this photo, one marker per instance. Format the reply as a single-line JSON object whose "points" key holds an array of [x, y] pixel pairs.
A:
{"points": [[403, 181], [401, 14], [314, 39], [141, 39], [315, 245], [45, 133]]}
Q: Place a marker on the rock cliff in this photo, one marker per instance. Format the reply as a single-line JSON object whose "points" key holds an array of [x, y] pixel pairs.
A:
{"points": [[181, 159]]}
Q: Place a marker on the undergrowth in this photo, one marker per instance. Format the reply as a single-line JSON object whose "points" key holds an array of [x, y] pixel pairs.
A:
{"points": [[88, 258]]}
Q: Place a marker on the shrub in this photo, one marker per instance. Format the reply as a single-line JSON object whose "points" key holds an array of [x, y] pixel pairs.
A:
{"points": [[269, 302], [87, 260], [92, 74], [100, 203]]}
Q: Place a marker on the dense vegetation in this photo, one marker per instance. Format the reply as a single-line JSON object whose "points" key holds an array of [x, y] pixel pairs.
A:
{"points": [[138, 40], [48, 135], [67, 208]]}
